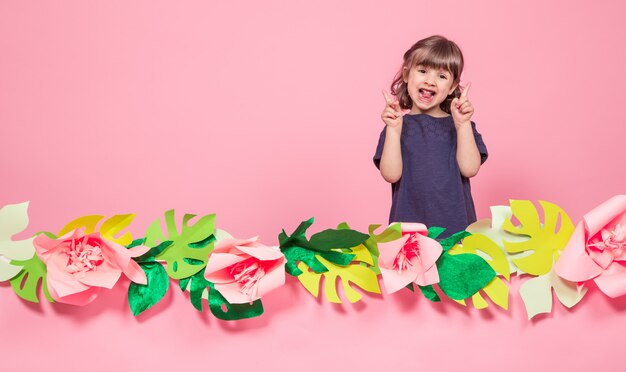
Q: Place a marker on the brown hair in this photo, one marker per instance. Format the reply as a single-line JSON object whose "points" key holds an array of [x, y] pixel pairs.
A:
{"points": [[436, 52]]}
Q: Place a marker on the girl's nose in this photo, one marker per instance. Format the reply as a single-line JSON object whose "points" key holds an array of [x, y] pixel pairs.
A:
{"points": [[430, 78]]}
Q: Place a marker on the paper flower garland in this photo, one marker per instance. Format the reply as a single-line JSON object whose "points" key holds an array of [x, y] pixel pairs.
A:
{"points": [[233, 275]]}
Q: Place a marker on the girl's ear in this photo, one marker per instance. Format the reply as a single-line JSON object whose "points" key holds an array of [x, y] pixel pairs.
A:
{"points": [[405, 74]]}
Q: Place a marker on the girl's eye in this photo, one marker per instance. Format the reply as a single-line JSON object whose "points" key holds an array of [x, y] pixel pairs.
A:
{"points": [[421, 71], [443, 77]]}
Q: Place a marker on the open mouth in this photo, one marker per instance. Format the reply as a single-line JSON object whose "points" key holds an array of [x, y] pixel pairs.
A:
{"points": [[426, 95]]}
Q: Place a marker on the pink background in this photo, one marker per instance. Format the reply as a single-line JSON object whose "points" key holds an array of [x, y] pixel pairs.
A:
{"points": [[268, 113]]}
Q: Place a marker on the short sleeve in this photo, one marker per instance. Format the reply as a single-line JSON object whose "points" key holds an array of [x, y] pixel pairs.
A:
{"points": [[482, 148], [379, 148]]}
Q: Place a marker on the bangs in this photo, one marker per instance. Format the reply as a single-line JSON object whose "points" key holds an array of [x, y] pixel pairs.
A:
{"points": [[440, 55]]}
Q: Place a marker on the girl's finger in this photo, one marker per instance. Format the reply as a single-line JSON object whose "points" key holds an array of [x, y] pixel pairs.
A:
{"points": [[388, 98], [465, 90]]}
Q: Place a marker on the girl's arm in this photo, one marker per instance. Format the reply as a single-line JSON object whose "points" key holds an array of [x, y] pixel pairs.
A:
{"points": [[391, 158], [467, 154]]}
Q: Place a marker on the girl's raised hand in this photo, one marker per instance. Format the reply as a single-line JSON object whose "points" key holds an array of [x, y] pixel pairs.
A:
{"points": [[461, 108], [392, 114]]}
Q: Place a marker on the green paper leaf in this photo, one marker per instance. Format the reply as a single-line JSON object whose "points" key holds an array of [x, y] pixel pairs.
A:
{"points": [[410, 287], [142, 297], [298, 238], [193, 242], [434, 231], [329, 239], [298, 254], [184, 284], [26, 282], [198, 286], [462, 275], [429, 292], [201, 288], [453, 239], [153, 252], [136, 243], [217, 303]]}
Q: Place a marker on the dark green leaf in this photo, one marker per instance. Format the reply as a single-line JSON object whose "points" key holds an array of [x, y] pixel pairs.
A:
{"points": [[217, 303], [328, 239], [184, 283], [453, 239], [136, 243], [429, 292], [434, 231], [203, 243], [142, 297], [462, 275]]}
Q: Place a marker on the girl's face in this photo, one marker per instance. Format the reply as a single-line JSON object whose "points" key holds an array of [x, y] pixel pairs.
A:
{"points": [[428, 87]]}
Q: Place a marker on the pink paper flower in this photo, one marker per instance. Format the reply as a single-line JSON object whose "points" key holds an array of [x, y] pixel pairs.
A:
{"points": [[79, 265], [410, 259], [597, 248], [244, 270]]}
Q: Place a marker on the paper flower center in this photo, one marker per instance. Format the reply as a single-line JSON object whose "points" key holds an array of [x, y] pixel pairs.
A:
{"points": [[83, 257], [248, 276], [407, 254], [613, 241]]}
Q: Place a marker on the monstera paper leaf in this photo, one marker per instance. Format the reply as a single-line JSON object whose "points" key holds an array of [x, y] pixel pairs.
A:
{"points": [[537, 293], [355, 273], [546, 240], [109, 229], [13, 220], [496, 290], [189, 249], [493, 229]]}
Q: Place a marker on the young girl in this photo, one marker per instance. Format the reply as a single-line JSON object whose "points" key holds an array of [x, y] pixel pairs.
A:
{"points": [[430, 153]]}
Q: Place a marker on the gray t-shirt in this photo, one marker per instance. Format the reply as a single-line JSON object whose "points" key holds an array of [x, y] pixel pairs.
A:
{"points": [[431, 190]]}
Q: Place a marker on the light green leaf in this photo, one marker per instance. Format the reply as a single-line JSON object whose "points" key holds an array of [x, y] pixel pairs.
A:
{"points": [[26, 283], [185, 252]]}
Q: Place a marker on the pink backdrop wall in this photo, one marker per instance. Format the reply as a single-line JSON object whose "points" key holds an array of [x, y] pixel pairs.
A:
{"points": [[268, 113]]}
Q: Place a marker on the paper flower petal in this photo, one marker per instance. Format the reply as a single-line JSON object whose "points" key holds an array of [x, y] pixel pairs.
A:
{"points": [[575, 264]]}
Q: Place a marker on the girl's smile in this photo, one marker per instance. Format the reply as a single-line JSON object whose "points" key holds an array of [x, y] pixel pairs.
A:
{"points": [[428, 87]]}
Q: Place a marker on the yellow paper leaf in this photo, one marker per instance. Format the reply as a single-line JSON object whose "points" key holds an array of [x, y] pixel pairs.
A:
{"points": [[544, 239], [361, 276], [108, 229], [486, 248], [496, 290]]}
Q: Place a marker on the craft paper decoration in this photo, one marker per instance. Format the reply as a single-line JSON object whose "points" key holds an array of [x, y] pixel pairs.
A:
{"points": [[537, 293], [232, 275], [79, 265], [597, 250], [410, 259], [545, 241], [243, 270], [13, 220]]}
